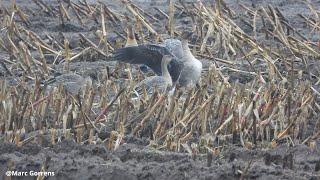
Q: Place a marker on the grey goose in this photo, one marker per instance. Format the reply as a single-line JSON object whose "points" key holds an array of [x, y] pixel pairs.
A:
{"points": [[184, 68]]}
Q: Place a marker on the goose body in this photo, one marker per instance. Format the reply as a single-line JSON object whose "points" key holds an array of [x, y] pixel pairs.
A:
{"points": [[72, 82], [192, 67], [161, 83]]}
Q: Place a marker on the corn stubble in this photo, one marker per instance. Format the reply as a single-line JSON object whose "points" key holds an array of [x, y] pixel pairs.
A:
{"points": [[273, 108]]}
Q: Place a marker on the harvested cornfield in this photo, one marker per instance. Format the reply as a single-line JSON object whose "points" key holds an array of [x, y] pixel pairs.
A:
{"points": [[253, 115]]}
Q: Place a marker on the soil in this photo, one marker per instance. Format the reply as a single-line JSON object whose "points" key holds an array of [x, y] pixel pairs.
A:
{"points": [[135, 158], [69, 160]]}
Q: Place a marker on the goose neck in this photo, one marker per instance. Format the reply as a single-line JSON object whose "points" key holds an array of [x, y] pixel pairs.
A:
{"points": [[186, 49], [164, 69], [88, 81]]}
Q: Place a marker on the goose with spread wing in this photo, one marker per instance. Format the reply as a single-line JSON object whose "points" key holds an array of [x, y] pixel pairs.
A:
{"points": [[184, 68]]}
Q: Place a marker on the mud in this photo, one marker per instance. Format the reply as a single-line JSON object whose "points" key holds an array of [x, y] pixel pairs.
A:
{"points": [[70, 160]]}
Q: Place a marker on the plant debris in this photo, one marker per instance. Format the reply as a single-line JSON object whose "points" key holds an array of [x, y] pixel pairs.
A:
{"points": [[258, 93]]}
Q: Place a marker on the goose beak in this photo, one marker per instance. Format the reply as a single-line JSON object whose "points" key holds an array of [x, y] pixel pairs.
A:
{"points": [[190, 34]]}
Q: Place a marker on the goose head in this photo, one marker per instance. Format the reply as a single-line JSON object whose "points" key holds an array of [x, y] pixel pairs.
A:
{"points": [[186, 34], [167, 59], [91, 73]]}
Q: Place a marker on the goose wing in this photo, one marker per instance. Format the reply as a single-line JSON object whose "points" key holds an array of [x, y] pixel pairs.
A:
{"points": [[149, 55], [174, 68], [175, 47]]}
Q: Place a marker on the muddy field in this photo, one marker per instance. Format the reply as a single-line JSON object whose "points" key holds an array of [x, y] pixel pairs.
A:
{"points": [[109, 152]]}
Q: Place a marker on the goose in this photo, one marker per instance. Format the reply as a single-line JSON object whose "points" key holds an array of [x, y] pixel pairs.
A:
{"points": [[184, 68], [160, 83], [74, 83]]}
